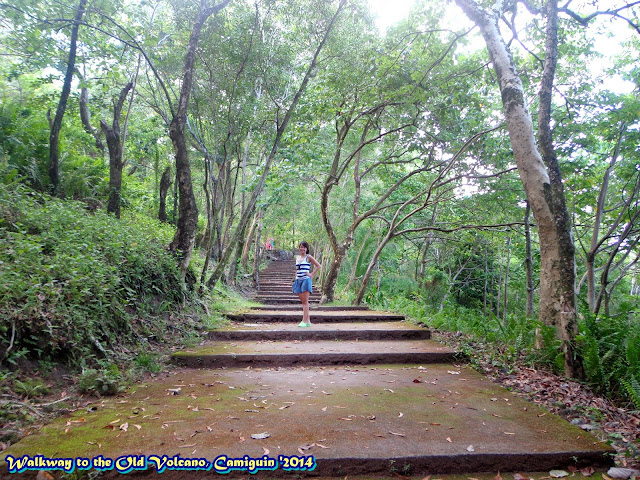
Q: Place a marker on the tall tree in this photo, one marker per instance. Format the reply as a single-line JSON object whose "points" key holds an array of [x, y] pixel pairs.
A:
{"points": [[540, 174], [56, 123], [114, 144], [184, 239]]}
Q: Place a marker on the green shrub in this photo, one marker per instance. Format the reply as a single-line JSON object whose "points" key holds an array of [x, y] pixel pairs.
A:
{"points": [[611, 352], [74, 284], [31, 387], [107, 381]]}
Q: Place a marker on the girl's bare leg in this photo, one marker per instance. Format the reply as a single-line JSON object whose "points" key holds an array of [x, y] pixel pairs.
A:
{"points": [[304, 298]]}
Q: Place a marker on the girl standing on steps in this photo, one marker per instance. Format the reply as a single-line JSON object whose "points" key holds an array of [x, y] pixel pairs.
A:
{"points": [[302, 281]]}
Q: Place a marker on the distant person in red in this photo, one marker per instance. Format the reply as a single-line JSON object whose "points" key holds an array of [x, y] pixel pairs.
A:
{"points": [[302, 285], [269, 244]]}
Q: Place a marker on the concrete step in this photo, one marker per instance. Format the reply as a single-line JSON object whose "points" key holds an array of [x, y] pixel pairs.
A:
{"points": [[318, 316], [284, 288], [321, 331], [346, 308], [285, 301], [297, 353], [380, 421]]}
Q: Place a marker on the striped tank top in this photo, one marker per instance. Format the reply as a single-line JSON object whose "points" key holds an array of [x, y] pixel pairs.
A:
{"points": [[302, 266]]}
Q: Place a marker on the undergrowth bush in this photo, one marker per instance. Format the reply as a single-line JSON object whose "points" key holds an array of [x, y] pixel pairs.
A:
{"points": [[610, 347], [73, 284], [611, 351]]}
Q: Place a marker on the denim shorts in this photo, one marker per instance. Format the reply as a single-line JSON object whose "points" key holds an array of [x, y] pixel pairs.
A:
{"points": [[302, 285]]}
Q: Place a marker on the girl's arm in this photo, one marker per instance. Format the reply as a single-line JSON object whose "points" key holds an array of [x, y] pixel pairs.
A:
{"points": [[315, 263]]}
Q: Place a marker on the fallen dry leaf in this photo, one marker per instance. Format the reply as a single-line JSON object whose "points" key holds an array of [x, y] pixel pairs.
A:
{"points": [[397, 434], [266, 450], [587, 472], [558, 474], [449, 439], [42, 475], [498, 477], [520, 476], [400, 415], [260, 436], [470, 448], [124, 427], [389, 390]]}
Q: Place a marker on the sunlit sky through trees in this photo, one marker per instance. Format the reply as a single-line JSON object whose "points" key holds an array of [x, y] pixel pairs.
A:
{"points": [[612, 32]]}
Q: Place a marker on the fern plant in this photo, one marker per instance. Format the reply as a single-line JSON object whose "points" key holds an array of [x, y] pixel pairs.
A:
{"points": [[632, 387]]}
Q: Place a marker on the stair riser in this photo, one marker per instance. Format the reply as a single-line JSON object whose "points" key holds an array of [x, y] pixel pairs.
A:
{"points": [[290, 360], [253, 318], [317, 308], [318, 335]]}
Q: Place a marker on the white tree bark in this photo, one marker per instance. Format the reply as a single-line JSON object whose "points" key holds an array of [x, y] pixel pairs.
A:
{"points": [[545, 195]]}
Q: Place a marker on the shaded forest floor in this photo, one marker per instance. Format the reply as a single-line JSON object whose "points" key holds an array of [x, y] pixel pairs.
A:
{"points": [[569, 399]]}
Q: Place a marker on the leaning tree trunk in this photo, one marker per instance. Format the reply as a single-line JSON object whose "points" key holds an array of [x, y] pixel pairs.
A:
{"points": [[543, 185], [116, 164], [185, 235], [596, 242], [372, 263], [247, 246], [56, 124]]}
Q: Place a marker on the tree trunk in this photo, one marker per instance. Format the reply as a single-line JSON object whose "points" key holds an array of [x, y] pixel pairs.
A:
{"points": [[528, 261], [595, 240], [543, 185], [85, 117], [354, 270], [116, 164], [185, 235], [256, 257], [608, 267], [247, 246], [370, 267], [56, 124], [233, 266], [165, 183], [331, 278], [208, 232], [506, 283]]}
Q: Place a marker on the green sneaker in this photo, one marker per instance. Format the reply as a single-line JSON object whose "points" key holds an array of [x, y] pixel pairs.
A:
{"points": [[303, 324]]}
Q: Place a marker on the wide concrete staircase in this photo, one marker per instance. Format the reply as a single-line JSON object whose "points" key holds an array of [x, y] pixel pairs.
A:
{"points": [[367, 392], [359, 392]]}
